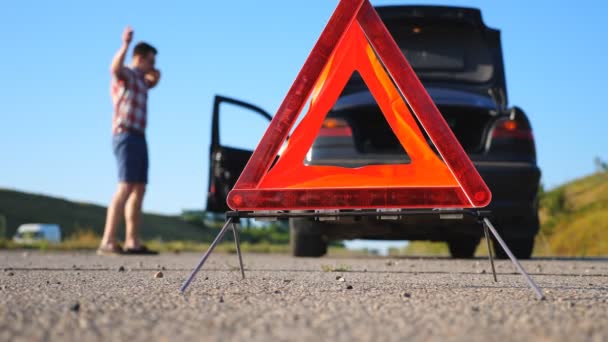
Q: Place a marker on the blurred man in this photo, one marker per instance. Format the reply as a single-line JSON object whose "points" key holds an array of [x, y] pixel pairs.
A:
{"points": [[129, 92]]}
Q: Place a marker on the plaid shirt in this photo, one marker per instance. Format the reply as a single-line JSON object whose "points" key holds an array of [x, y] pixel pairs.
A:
{"points": [[130, 98]]}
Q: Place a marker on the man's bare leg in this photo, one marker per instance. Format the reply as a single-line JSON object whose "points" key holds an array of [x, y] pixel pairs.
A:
{"points": [[114, 215], [133, 216]]}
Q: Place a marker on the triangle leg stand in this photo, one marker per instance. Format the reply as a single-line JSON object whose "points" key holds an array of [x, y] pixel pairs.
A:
{"points": [[488, 225], [229, 224]]}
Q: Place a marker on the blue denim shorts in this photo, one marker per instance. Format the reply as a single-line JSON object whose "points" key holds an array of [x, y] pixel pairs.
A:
{"points": [[131, 151]]}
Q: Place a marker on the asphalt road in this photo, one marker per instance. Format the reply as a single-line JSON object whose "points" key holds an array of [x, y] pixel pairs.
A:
{"points": [[77, 296]]}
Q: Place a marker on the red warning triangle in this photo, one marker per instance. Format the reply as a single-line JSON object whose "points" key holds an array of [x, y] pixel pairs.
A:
{"points": [[355, 39]]}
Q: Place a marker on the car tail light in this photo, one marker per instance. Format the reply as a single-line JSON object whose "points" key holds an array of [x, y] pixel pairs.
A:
{"points": [[333, 127], [512, 129]]}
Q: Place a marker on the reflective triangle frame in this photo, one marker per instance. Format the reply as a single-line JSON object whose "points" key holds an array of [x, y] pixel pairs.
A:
{"points": [[261, 188], [253, 197]]}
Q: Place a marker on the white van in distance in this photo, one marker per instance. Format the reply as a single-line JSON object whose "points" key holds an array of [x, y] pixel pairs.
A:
{"points": [[36, 232]]}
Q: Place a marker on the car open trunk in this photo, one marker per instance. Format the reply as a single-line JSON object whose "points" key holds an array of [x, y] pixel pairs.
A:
{"points": [[448, 48], [373, 135]]}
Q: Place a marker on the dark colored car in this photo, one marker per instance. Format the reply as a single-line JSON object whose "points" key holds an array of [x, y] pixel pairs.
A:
{"points": [[459, 61]]}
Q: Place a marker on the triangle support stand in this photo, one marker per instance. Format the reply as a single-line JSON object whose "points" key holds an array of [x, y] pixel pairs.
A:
{"points": [[535, 288], [482, 217], [229, 224]]}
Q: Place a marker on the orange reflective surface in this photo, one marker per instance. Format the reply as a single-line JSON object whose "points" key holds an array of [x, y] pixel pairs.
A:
{"points": [[354, 53]]}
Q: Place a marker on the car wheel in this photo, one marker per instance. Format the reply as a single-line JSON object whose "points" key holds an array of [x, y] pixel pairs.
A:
{"points": [[306, 239], [463, 248], [521, 248]]}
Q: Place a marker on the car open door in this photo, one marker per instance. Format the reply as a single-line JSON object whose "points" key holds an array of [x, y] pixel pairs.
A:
{"points": [[225, 163]]}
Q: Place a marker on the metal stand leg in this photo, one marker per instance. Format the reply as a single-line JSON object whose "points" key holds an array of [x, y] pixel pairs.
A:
{"points": [[218, 238], [485, 231], [521, 270], [237, 242]]}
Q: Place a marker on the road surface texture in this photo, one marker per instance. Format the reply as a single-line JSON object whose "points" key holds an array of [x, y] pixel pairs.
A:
{"points": [[82, 297]]}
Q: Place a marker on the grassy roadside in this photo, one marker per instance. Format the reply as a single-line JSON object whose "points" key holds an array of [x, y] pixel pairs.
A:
{"points": [[163, 247], [574, 218], [179, 247], [88, 240]]}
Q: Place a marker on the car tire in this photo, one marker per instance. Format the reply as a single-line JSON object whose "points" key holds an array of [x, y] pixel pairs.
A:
{"points": [[306, 238], [463, 248], [521, 248]]}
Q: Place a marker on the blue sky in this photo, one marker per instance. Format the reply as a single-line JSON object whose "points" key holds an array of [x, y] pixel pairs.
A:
{"points": [[56, 110]]}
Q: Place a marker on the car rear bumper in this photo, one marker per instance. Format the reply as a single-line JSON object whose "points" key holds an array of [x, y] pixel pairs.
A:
{"points": [[514, 211]]}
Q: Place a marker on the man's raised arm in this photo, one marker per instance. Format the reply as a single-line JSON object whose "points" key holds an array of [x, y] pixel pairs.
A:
{"points": [[119, 59]]}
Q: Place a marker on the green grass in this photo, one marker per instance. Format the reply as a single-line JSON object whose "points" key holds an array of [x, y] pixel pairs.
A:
{"points": [[88, 240], [335, 268], [579, 227]]}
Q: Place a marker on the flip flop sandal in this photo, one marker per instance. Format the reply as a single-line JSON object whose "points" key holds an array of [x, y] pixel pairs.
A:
{"points": [[142, 250]]}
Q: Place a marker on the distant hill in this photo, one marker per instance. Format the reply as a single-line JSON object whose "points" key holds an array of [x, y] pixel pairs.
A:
{"points": [[19, 207], [574, 218]]}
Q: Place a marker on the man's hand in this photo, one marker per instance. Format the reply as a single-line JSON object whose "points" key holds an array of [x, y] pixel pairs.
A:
{"points": [[127, 35], [152, 78], [119, 59]]}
